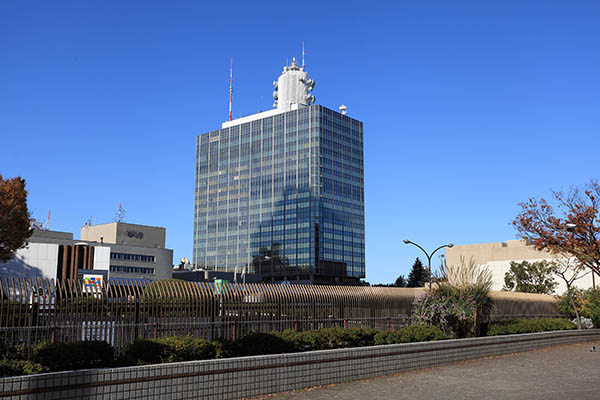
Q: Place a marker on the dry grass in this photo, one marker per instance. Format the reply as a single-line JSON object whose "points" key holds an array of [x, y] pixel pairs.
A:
{"points": [[467, 274]]}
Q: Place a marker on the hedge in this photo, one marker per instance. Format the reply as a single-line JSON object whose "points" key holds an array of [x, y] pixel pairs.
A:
{"points": [[168, 349], [513, 326], [73, 355], [94, 354]]}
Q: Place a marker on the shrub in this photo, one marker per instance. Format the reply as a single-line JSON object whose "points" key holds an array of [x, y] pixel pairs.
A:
{"points": [[452, 313], [387, 337], [263, 343], [225, 348], [421, 333], [588, 304], [459, 302], [73, 355], [11, 352], [168, 349], [186, 348], [11, 367], [513, 326], [410, 334], [142, 352], [338, 338]]}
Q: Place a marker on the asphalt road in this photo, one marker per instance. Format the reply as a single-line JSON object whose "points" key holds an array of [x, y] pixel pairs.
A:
{"points": [[559, 372]]}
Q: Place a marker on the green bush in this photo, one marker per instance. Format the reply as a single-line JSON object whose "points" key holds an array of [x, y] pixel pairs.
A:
{"points": [[12, 367], [303, 341], [73, 355], [513, 326], [225, 348], [421, 333], [186, 348], [387, 337], [11, 352], [142, 352], [410, 334], [339, 338], [257, 343], [168, 349], [587, 301]]}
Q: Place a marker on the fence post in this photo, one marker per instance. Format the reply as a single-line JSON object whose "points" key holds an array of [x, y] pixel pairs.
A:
{"points": [[345, 324], [52, 332], [155, 329], [296, 325], [233, 330], [388, 323]]}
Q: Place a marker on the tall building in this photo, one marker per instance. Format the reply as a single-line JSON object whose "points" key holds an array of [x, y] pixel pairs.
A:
{"points": [[280, 193]]}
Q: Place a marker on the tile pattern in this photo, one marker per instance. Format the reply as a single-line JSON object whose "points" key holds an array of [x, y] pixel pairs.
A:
{"points": [[253, 376]]}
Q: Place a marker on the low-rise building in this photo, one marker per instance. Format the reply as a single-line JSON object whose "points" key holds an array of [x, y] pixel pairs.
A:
{"points": [[135, 250], [496, 257], [115, 250]]}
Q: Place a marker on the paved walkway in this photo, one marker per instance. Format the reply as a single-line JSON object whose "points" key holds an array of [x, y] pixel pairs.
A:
{"points": [[559, 372]]}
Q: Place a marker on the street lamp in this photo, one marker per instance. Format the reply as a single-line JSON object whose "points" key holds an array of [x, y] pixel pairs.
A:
{"points": [[406, 241]]}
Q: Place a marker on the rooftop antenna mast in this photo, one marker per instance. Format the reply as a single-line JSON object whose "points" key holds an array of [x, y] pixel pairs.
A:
{"points": [[230, 86], [120, 213], [302, 54], [48, 221]]}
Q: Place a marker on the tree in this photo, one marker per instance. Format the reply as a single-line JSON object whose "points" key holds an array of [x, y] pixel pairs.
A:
{"points": [[563, 267], [570, 226], [418, 275], [535, 277], [14, 217], [400, 281]]}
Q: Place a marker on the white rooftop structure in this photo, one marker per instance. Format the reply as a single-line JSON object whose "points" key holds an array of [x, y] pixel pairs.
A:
{"points": [[292, 91]]}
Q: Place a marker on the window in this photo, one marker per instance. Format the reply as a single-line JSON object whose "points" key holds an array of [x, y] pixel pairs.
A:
{"points": [[132, 257], [131, 270]]}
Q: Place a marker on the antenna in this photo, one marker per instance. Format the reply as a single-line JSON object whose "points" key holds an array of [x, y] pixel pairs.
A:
{"points": [[48, 221], [302, 54], [120, 214], [230, 86]]}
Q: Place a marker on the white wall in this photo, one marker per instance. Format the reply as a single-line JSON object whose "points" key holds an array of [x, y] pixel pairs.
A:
{"points": [[36, 260], [101, 258], [500, 268]]}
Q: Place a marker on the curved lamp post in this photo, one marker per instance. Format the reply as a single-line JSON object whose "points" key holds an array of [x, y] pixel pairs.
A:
{"points": [[406, 241]]}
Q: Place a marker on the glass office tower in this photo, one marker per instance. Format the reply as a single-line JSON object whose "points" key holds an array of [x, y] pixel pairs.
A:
{"points": [[282, 196]]}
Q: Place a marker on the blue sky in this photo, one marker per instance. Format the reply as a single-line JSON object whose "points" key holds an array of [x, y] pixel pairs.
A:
{"points": [[469, 107]]}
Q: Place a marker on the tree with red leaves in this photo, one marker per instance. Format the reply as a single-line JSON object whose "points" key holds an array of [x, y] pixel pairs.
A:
{"points": [[14, 217], [571, 225]]}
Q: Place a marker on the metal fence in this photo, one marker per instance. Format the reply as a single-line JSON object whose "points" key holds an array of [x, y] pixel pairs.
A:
{"points": [[32, 310]]}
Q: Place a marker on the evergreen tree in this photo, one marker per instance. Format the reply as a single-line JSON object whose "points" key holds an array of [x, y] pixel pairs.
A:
{"points": [[418, 275], [400, 281]]}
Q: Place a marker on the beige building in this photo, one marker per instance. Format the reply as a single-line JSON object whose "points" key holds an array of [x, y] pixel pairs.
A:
{"points": [[136, 251], [115, 250], [497, 257]]}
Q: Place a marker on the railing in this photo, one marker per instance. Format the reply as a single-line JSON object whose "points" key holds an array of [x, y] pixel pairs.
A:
{"points": [[32, 310]]}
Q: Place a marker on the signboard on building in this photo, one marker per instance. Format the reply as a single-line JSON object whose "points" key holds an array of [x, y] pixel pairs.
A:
{"points": [[92, 283], [221, 286]]}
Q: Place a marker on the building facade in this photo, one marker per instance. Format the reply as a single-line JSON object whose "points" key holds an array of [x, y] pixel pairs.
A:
{"points": [[55, 255], [136, 251], [280, 193], [496, 257], [115, 250]]}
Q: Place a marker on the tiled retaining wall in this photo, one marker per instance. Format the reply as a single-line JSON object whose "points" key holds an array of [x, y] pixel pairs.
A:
{"points": [[253, 376]]}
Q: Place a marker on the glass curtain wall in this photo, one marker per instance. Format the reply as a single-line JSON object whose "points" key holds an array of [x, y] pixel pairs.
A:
{"points": [[282, 196]]}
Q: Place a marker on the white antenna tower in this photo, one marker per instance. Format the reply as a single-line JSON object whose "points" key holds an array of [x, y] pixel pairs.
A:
{"points": [[303, 54], [48, 221]]}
